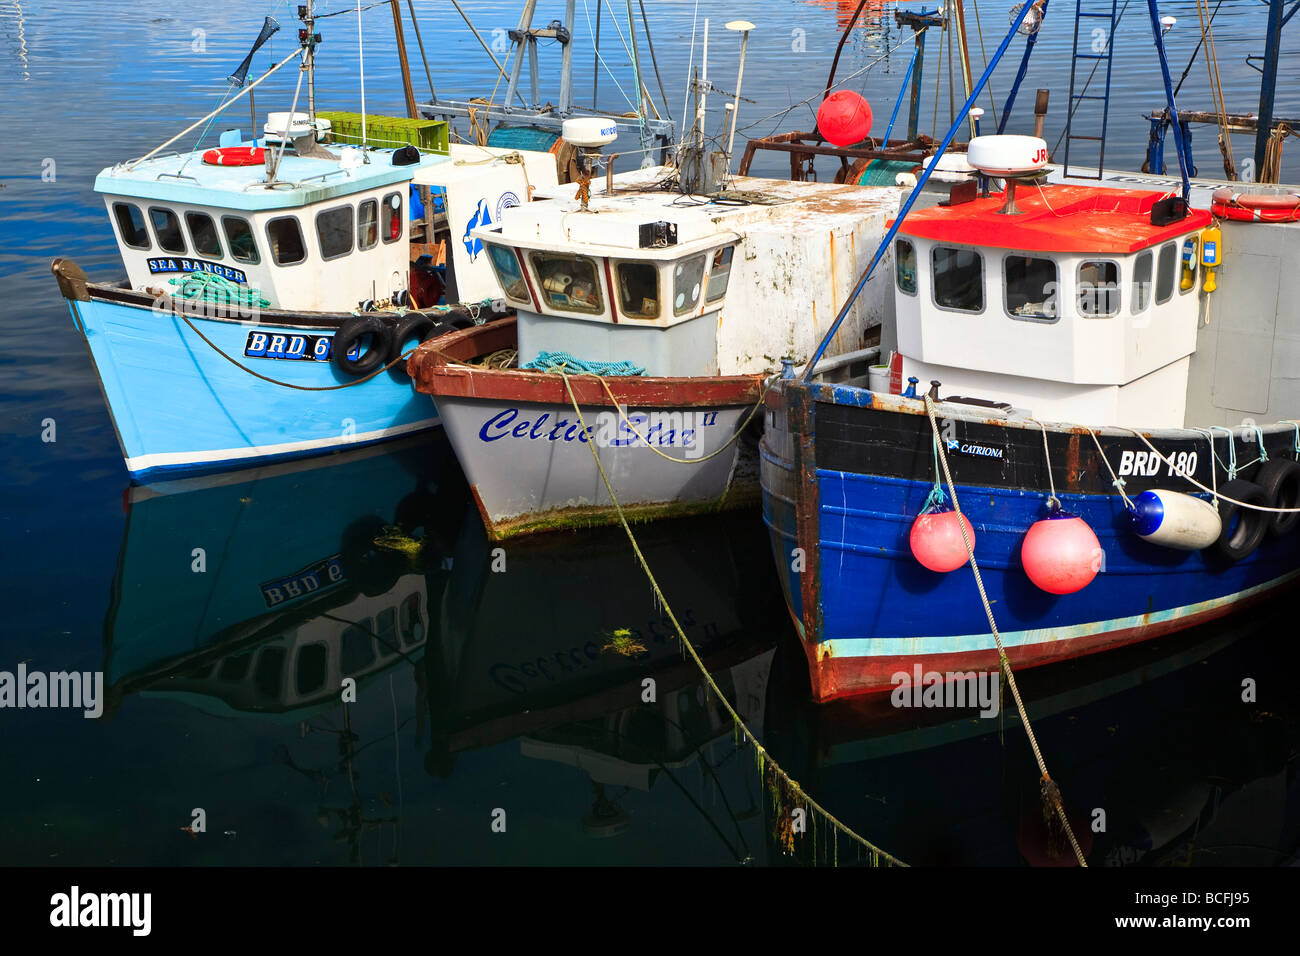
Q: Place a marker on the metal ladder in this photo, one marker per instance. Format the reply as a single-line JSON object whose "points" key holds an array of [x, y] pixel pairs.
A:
{"points": [[1104, 20]]}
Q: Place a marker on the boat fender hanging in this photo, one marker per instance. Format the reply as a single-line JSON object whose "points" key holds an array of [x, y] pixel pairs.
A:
{"points": [[351, 333], [1175, 520], [1243, 528], [1061, 553], [1280, 480], [417, 327], [936, 540], [844, 118]]}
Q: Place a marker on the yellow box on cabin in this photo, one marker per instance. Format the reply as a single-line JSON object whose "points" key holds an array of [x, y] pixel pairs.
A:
{"points": [[429, 136]]}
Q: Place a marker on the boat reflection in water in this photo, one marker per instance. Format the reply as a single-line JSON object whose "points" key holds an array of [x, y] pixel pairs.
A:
{"points": [[462, 653], [488, 680], [1159, 759]]}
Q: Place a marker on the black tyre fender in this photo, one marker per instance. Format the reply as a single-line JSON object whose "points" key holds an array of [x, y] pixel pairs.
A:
{"points": [[353, 331], [413, 325], [1243, 528], [1280, 480]]}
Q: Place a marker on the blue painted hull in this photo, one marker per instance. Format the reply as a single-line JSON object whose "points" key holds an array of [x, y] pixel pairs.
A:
{"points": [[867, 609], [179, 406]]}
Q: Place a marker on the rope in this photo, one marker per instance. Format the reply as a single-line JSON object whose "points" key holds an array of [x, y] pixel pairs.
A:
{"points": [[1216, 90], [747, 734], [1051, 793], [302, 388], [210, 287], [1214, 491], [554, 361], [1115, 480], [1053, 501]]}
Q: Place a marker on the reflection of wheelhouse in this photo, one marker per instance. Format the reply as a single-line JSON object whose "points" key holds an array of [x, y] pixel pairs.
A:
{"points": [[1077, 307], [307, 665]]}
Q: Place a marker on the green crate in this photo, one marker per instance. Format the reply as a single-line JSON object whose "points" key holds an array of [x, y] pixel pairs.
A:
{"points": [[429, 136]]}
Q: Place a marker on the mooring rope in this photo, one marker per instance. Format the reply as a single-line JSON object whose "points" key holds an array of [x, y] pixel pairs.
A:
{"points": [[1115, 480], [762, 751], [1051, 793], [275, 381]]}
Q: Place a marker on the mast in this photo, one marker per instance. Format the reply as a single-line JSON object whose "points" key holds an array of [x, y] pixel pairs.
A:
{"points": [[1268, 86], [309, 39]]}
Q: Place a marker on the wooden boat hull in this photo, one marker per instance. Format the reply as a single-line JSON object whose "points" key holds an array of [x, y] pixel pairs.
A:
{"points": [[664, 443], [846, 471]]}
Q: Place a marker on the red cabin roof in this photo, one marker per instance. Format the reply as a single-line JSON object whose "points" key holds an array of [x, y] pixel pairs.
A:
{"points": [[1054, 219]]}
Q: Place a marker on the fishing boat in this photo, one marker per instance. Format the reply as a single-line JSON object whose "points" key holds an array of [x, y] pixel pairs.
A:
{"points": [[274, 280], [1090, 370], [649, 312]]}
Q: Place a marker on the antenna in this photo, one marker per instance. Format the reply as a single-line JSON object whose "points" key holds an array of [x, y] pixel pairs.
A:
{"points": [[361, 60], [742, 27]]}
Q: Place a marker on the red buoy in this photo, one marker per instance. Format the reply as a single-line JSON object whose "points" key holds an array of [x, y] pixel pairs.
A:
{"points": [[1061, 554], [844, 118], [937, 542]]}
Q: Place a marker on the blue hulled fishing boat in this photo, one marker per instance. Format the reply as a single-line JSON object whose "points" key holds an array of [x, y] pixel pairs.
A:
{"points": [[1098, 361]]}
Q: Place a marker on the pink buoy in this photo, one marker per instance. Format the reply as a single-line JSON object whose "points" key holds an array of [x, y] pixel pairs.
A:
{"points": [[1061, 554], [937, 542], [844, 118]]}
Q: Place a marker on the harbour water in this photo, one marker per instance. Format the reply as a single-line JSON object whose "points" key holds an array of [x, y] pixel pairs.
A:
{"points": [[493, 723]]}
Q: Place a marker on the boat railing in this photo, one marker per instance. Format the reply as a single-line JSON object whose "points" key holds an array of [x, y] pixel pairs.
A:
{"points": [[192, 179]]}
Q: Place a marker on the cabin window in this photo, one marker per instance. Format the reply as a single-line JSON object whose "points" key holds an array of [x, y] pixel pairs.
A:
{"points": [[687, 277], [285, 236], [1142, 282], [334, 230], [638, 289], [356, 651], [1166, 272], [167, 229], [719, 274], [506, 265], [568, 283], [1031, 285], [392, 217], [368, 224], [958, 279], [130, 223], [268, 672], [1098, 289], [411, 623], [312, 668], [239, 237], [905, 266], [203, 234]]}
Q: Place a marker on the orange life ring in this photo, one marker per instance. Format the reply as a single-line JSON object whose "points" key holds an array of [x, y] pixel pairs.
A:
{"points": [[235, 156], [1255, 207]]}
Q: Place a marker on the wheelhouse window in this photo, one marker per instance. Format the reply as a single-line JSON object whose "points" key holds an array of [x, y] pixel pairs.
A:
{"points": [[392, 217], [285, 237], [1142, 281], [905, 266], [958, 279], [311, 669], [368, 224], [1031, 285], [130, 224], [638, 289], [1098, 289], [719, 274], [687, 277], [166, 229], [509, 274], [568, 283], [1166, 272], [203, 234], [239, 239], [334, 230]]}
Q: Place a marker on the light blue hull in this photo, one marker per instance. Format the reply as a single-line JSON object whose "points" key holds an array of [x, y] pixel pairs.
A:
{"points": [[179, 406]]}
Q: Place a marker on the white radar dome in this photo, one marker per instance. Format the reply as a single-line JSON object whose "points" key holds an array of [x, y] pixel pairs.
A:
{"points": [[589, 131], [1007, 155]]}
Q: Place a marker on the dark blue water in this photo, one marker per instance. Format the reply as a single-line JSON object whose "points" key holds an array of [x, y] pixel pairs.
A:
{"points": [[486, 690]]}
